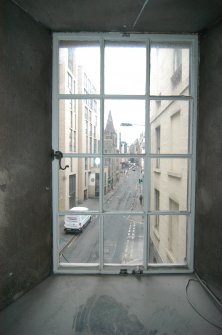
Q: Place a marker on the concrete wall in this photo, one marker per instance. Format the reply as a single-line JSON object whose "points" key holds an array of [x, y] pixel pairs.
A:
{"points": [[208, 235], [25, 142]]}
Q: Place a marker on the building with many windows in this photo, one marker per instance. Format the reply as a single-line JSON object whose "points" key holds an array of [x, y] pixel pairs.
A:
{"points": [[88, 136], [78, 133], [169, 135]]}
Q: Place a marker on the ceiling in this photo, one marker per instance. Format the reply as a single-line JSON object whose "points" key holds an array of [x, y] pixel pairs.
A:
{"points": [[153, 16]]}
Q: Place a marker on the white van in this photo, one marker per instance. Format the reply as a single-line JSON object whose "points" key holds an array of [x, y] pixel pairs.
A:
{"points": [[76, 222]]}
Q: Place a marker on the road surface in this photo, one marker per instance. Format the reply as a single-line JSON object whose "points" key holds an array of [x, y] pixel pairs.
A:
{"points": [[123, 235]]}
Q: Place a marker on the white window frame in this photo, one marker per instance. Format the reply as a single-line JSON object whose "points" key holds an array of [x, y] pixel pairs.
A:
{"points": [[101, 38]]}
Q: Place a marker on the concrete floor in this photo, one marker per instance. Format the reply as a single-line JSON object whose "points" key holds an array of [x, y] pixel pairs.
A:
{"points": [[107, 305]]}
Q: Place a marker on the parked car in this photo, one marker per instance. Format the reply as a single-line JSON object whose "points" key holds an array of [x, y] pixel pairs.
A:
{"points": [[76, 222]]}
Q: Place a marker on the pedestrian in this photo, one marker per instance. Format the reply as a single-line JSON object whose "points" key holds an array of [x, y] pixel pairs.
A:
{"points": [[141, 199]]}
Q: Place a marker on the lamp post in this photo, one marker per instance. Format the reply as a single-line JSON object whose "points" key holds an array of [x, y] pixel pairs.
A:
{"points": [[127, 124]]}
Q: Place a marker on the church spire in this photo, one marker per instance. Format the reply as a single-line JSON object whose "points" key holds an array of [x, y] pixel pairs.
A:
{"points": [[109, 124]]}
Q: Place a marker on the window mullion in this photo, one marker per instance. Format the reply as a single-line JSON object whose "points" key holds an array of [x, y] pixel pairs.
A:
{"points": [[55, 146], [147, 161], [101, 187], [192, 142]]}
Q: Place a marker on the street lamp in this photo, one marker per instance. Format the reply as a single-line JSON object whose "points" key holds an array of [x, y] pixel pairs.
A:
{"points": [[124, 124], [127, 124]]}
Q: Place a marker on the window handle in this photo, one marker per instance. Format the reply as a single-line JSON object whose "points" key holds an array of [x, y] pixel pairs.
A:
{"points": [[59, 155]]}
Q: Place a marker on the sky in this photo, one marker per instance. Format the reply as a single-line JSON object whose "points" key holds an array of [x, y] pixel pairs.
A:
{"points": [[125, 71]]}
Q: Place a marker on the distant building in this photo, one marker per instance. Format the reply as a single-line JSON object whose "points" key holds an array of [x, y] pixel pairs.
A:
{"points": [[88, 138], [68, 129], [78, 133], [110, 147]]}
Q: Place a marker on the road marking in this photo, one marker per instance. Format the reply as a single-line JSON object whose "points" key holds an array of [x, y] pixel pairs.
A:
{"points": [[68, 243]]}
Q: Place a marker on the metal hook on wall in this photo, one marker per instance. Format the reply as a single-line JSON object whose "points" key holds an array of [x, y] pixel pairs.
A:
{"points": [[59, 155]]}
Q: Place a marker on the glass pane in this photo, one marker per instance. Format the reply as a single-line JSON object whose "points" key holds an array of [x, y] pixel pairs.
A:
{"points": [[170, 69], [78, 238], [169, 126], [123, 184], [123, 239], [79, 126], [124, 126], [168, 239], [169, 182], [79, 67], [79, 183], [125, 68]]}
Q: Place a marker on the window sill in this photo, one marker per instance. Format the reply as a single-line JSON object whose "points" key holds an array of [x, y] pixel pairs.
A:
{"points": [[156, 233], [170, 256], [174, 175], [156, 170]]}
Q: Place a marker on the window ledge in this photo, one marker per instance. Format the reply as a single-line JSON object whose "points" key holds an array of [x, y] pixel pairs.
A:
{"points": [[156, 170], [174, 174], [156, 233], [170, 256]]}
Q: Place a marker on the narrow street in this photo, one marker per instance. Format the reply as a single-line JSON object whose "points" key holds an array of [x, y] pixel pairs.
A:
{"points": [[123, 235]]}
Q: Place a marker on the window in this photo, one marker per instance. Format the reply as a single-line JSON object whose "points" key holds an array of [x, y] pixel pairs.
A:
{"points": [[72, 190], [74, 142], [157, 146], [75, 120], [90, 145], [135, 112], [70, 59], [157, 208], [70, 140], [86, 113], [87, 144], [71, 119], [85, 82], [173, 232], [177, 58], [94, 146], [70, 83], [71, 164], [175, 130], [86, 163], [177, 66]]}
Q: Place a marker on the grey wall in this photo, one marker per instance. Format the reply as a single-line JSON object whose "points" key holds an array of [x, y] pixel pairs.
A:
{"points": [[25, 166], [25, 142], [208, 236]]}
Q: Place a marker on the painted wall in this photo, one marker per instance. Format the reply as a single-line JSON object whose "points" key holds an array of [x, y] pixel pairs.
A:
{"points": [[25, 144], [208, 234]]}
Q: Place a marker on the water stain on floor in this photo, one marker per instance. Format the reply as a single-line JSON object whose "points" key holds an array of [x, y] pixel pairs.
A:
{"points": [[103, 315]]}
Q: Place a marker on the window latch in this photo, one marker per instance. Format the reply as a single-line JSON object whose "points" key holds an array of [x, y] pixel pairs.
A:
{"points": [[59, 155]]}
